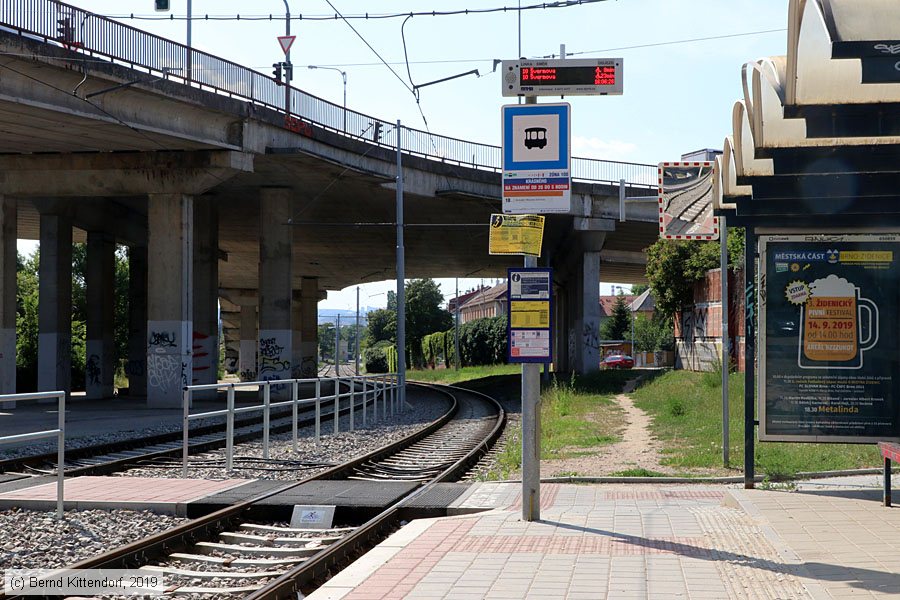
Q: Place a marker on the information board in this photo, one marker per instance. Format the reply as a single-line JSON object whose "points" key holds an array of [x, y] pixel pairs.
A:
{"points": [[516, 234], [829, 343], [562, 77], [529, 299]]}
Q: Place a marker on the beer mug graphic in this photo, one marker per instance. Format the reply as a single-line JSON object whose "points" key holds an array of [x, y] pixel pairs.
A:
{"points": [[832, 324]]}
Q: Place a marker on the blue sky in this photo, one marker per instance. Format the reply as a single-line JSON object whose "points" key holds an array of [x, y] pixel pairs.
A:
{"points": [[677, 96]]}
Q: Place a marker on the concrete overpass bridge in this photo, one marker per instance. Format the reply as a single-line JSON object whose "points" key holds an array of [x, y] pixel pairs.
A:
{"points": [[116, 136]]}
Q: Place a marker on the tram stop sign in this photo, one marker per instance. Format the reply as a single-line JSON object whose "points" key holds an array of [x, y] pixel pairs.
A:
{"points": [[537, 158]]}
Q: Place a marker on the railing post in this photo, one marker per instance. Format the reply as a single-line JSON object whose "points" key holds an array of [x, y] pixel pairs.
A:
{"points": [[60, 454], [229, 431], [374, 409], [267, 389], [353, 401], [365, 401], [318, 411], [294, 398], [186, 407], [337, 403], [390, 378]]}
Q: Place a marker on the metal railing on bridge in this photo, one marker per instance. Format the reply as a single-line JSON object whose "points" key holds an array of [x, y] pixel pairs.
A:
{"points": [[97, 36]]}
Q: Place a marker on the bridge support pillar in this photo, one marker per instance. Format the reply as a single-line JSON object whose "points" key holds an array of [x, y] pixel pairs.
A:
{"points": [[247, 357], [55, 304], [206, 295], [170, 299], [275, 286], [584, 314], [100, 369], [307, 357], [136, 367], [8, 214], [232, 343]]}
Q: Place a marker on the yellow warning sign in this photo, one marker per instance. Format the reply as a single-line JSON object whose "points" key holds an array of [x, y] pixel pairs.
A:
{"points": [[528, 314], [516, 234]]}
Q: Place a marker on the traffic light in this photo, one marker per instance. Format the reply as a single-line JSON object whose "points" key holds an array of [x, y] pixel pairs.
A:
{"points": [[288, 72], [161, 5], [65, 33], [376, 131], [276, 73]]}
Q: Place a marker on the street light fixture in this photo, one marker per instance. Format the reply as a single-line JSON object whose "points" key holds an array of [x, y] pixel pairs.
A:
{"points": [[344, 77]]}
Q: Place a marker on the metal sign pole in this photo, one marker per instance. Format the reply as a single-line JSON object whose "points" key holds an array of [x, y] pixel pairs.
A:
{"points": [[726, 356], [531, 428], [749, 355], [357, 330]]}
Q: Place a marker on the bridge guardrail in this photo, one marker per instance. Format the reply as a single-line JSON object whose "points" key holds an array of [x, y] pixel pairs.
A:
{"points": [[97, 36]]}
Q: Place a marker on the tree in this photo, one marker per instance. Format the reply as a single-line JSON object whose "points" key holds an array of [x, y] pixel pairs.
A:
{"points": [[382, 326], [653, 334], [674, 266], [326, 339], [639, 288], [424, 314], [617, 326]]}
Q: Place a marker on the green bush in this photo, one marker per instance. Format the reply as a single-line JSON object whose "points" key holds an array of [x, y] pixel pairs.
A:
{"points": [[376, 357], [483, 342]]}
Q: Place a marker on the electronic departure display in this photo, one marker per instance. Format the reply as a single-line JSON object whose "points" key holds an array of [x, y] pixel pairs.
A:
{"points": [[576, 77]]}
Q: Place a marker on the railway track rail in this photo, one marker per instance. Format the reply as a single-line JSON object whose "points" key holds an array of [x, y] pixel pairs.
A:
{"points": [[232, 554], [112, 457]]}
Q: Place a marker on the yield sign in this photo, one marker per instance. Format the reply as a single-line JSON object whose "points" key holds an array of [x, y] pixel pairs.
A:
{"points": [[286, 41]]}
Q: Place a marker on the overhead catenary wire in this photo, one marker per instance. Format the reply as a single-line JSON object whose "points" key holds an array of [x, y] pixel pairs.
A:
{"points": [[363, 16]]}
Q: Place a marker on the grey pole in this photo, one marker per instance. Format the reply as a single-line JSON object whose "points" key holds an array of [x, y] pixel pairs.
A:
{"points": [[357, 330], [337, 346], [401, 276], [723, 266], [531, 424], [456, 330], [531, 434], [344, 77], [288, 71], [187, 66]]}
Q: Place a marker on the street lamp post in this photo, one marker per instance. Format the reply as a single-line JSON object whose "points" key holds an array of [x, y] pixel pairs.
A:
{"points": [[344, 77]]}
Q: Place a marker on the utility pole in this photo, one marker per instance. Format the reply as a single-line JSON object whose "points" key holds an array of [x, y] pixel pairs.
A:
{"points": [[357, 330], [456, 330], [337, 347], [288, 67], [401, 277]]}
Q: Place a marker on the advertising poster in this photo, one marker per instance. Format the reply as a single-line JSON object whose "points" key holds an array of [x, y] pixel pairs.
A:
{"points": [[830, 352]]}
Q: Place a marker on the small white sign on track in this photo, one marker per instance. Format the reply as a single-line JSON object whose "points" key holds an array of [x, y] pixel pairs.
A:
{"points": [[311, 516]]}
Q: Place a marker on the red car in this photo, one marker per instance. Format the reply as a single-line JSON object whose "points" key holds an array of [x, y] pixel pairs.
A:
{"points": [[617, 361]]}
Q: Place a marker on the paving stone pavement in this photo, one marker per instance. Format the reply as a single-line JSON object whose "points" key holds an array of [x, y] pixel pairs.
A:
{"points": [[608, 542]]}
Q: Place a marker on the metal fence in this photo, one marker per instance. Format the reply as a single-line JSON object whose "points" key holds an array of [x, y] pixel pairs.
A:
{"points": [[96, 36], [369, 388], [59, 433]]}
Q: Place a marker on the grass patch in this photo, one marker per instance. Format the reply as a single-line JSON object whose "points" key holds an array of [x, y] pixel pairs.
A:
{"points": [[641, 472], [451, 376], [580, 414], [687, 413]]}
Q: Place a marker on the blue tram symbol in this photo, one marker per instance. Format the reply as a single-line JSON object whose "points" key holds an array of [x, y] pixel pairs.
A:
{"points": [[535, 137]]}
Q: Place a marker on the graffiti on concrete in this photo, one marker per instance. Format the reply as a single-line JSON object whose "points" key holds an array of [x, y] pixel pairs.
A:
{"points": [[162, 339], [92, 370]]}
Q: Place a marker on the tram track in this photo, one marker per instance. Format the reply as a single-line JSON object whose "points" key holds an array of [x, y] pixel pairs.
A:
{"points": [[242, 555]]}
